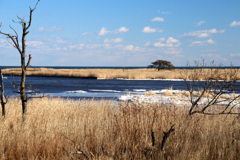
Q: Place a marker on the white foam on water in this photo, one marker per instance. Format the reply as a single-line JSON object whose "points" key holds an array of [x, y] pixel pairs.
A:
{"points": [[96, 90], [158, 79], [139, 90], [77, 91]]}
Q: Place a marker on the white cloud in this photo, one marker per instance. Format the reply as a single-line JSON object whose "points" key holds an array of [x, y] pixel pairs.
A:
{"points": [[122, 30], [60, 40], [147, 44], [50, 29], [132, 48], [170, 42], [235, 23], [5, 44], [76, 46], [202, 33], [158, 19], [104, 31], [200, 23], [129, 47], [116, 40], [210, 41], [35, 44], [235, 55], [151, 30]]}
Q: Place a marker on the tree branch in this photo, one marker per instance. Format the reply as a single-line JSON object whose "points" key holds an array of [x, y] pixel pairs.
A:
{"points": [[30, 17], [29, 60], [13, 40]]}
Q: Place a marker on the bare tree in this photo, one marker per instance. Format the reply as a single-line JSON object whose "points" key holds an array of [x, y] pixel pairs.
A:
{"points": [[217, 87], [161, 64], [21, 47], [3, 99]]}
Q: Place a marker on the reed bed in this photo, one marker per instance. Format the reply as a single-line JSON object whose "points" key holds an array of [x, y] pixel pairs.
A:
{"points": [[114, 73], [110, 130]]}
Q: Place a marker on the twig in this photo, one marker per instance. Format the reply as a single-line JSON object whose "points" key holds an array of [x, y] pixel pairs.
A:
{"points": [[165, 137], [78, 150]]}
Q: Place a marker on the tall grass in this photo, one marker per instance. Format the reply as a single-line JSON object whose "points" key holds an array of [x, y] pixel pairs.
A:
{"points": [[110, 130], [113, 73]]}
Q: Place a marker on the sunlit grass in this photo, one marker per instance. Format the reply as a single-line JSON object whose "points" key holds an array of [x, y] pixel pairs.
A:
{"points": [[117, 73], [110, 130]]}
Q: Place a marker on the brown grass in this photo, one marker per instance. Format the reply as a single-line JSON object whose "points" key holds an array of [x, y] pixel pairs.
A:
{"points": [[110, 73], [108, 130]]}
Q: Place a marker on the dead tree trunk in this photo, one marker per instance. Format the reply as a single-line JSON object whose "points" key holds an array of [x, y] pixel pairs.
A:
{"points": [[22, 49], [3, 99]]}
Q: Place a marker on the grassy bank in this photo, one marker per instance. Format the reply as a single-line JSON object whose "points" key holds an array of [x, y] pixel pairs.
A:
{"points": [[111, 73], [106, 130]]}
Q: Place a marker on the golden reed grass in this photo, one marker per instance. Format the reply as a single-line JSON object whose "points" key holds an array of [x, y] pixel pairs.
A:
{"points": [[111, 73], [110, 130]]}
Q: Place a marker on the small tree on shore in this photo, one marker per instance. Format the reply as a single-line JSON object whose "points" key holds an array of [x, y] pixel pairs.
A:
{"points": [[162, 64], [21, 47]]}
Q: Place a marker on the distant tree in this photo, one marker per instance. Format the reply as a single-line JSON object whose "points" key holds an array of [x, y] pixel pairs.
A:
{"points": [[20, 44], [161, 64]]}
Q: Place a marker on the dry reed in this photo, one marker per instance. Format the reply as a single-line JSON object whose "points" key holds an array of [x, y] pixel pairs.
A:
{"points": [[110, 73], [110, 130]]}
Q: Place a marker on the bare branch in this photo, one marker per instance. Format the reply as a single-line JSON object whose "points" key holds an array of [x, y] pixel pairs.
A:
{"points": [[15, 37], [165, 137], [13, 40], [78, 150], [29, 60], [217, 84], [230, 104], [21, 20], [30, 16]]}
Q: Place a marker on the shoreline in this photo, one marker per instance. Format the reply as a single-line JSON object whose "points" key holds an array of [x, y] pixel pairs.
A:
{"points": [[116, 73]]}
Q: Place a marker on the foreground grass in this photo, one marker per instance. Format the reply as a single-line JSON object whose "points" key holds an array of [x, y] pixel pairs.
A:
{"points": [[106, 130], [116, 73]]}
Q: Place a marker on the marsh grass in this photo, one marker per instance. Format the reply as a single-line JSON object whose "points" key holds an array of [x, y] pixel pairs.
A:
{"points": [[110, 130], [117, 73]]}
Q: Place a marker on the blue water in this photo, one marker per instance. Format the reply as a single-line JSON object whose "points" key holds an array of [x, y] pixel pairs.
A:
{"points": [[89, 88]]}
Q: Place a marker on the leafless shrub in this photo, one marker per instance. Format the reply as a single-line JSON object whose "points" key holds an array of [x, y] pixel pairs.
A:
{"points": [[216, 87]]}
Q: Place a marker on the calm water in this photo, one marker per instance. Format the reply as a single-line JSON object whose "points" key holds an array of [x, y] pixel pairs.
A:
{"points": [[88, 88]]}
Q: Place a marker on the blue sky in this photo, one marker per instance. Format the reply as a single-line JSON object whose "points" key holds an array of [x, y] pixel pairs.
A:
{"points": [[124, 32]]}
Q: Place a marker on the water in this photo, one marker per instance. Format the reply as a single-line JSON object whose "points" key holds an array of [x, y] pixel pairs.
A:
{"points": [[89, 88]]}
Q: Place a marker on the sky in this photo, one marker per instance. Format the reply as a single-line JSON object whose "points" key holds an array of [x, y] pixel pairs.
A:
{"points": [[123, 32]]}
